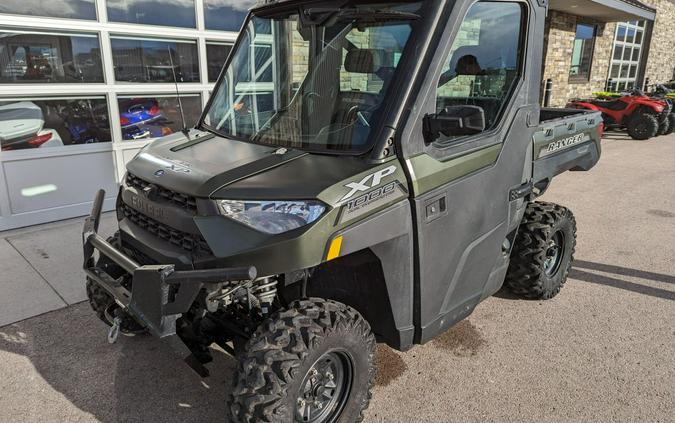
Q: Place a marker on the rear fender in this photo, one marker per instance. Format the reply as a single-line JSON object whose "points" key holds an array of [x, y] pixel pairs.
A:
{"points": [[584, 105]]}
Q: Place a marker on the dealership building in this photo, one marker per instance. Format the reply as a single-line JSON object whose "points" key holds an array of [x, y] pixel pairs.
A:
{"points": [[85, 84]]}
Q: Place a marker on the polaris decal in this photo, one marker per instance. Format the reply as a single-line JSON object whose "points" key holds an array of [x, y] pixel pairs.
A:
{"points": [[562, 144], [367, 183]]}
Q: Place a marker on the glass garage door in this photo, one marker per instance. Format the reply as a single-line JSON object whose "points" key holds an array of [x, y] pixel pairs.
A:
{"points": [[85, 84], [628, 48]]}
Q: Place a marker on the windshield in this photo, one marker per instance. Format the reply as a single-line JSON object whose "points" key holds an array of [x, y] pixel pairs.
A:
{"points": [[318, 85]]}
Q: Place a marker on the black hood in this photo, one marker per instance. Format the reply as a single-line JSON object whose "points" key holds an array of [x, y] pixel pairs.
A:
{"points": [[209, 166]]}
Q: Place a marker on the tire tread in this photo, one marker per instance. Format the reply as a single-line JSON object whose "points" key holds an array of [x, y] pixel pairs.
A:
{"points": [[278, 348], [525, 276]]}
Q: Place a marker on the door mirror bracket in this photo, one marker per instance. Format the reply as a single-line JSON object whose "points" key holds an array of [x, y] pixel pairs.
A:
{"points": [[454, 121]]}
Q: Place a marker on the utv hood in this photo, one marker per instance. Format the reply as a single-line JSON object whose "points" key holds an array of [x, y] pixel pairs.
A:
{"points": [[207, 166]]}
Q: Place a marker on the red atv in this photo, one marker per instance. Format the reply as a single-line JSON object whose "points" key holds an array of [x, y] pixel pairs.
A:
{"points": [[641, 115]]}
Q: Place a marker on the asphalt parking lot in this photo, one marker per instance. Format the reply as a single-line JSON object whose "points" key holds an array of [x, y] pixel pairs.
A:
{"points": [[602, 351]]}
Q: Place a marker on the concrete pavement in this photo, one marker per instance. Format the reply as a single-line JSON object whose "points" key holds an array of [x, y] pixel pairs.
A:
{"points": [[603, 350], [40, 268]]}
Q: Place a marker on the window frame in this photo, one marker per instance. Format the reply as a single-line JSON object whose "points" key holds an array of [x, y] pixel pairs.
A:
{"points": [[627, 82], [210, 42], [97, 15], [155, 95], [65, 150], [241, 25], [452, 147], [195, 27], [59, 33], [177, 40], [584, 78]]}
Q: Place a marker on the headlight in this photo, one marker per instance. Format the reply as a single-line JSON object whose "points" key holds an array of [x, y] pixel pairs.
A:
{"points": [[272, 217]]}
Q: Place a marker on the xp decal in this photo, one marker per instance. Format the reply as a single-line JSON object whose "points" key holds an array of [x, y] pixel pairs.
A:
{"points": [[380, 196], [369, 182]]}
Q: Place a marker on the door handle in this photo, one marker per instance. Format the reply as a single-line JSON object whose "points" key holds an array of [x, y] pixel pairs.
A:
{"points": [[435, 208]]}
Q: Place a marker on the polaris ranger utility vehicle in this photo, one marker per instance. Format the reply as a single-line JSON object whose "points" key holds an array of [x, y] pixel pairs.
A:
{"points": [[364, 172]]}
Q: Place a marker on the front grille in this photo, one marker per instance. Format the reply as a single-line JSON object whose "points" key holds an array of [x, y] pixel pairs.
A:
{"points": [[164, 195], [194, 244]]}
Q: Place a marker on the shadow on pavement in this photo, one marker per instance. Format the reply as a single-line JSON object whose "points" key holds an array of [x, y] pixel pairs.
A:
{"points": [[617, 136], [621, 284], [136, 380], [582, 275], [624, 271]]}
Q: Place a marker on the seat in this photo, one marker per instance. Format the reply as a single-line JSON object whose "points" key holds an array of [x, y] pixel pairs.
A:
{"points": [[610, 104]]}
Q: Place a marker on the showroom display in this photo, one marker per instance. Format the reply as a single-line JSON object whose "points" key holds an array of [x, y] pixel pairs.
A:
{"points": [[369, 174], [53, 123]]}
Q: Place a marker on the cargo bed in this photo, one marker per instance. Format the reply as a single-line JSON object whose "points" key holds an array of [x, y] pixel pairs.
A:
{"points": [[567, 139]]}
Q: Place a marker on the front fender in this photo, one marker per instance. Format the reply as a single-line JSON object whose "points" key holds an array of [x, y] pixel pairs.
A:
{"points": [[652, 105]]}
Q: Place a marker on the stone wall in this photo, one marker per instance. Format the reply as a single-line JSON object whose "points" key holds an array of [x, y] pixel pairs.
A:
{"points": [[661, 60], [558, 46]]}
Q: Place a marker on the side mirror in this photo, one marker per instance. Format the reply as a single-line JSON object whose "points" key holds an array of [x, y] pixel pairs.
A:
{"points": [[454, 121]]}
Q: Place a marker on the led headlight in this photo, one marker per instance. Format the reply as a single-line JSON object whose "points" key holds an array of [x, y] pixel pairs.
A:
{"points": [[272, 217]]}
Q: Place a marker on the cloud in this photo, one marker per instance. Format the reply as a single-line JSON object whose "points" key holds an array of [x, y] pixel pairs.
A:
{"points": [[130, 4], [45, 8], [236, 5]]}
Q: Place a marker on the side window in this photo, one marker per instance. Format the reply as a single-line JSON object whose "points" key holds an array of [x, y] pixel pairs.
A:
{"points": [[484, 64]]}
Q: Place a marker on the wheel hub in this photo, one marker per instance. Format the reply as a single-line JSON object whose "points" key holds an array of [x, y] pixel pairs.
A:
{"points": [[325, 389], [554, 254]]}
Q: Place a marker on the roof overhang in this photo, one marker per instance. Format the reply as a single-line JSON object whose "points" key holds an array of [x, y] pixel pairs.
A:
{"points": [[605, 10]]}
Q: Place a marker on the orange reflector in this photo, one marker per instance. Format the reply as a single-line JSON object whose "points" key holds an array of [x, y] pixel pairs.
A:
{"points": [[335, 247]]}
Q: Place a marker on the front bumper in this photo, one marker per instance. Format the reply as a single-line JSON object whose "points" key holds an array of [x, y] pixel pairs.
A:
{"points": [[159, 294]]}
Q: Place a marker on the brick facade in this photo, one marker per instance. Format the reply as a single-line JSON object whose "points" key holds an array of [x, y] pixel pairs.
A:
{"points": [[559, 43], [661, 61], [558, 46]]}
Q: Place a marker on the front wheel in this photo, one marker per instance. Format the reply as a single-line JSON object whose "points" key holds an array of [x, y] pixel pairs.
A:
{"points": [[311, 363], [642, 126], [543, 252]]}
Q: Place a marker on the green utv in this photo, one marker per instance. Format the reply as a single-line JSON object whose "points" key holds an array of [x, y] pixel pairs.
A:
{"points": [[364, 172]]}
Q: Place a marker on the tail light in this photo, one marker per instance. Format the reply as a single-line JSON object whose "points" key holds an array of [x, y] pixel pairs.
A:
{"points": [[601, 130], [154, 110], [40, 139], [124, 121]]}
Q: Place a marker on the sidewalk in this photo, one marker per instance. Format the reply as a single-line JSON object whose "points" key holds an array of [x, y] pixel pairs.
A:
{"points": [[40, 268]]}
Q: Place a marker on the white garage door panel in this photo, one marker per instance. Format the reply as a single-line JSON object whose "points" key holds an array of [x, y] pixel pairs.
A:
{"points": [[42, 184], [130, 154]]}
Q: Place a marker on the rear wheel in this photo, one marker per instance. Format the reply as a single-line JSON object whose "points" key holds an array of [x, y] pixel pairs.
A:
{"points": [[543, 252], [671, 124], [642, 126], [311, 363], [665, 127]]}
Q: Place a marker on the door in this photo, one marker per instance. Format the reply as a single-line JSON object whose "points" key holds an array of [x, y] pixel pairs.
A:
{"points": [[461, 184]]}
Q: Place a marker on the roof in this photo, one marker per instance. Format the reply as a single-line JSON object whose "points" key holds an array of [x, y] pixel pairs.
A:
{"points": [[606, 10]]}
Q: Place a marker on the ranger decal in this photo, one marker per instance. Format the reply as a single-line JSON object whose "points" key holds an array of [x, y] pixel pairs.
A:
{"points": [[563, 144]]}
